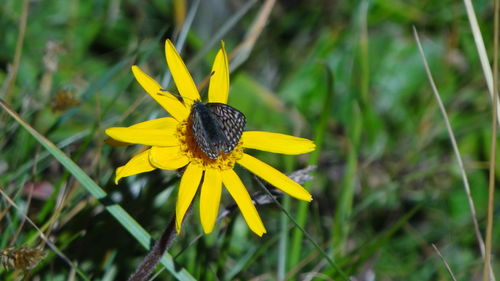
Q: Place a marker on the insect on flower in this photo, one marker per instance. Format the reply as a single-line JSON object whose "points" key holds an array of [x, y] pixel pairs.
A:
{"points": [[23, 257], [217, 127], [208, 139]]}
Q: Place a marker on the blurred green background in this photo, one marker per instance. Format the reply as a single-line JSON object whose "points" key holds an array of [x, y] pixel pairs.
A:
{"points": [[344, 73]]}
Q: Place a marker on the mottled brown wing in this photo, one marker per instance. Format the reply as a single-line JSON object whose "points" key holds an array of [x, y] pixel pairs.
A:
{"points": [[207, 130], [232, 123]]}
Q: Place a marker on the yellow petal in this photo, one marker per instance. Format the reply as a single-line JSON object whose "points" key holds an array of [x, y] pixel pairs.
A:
{"points": [[167, 158], [218, 89], [210, 199], [138, 164], [169, 102], [238, 191], [180, 73], [277, 143], [167, 123], [187, 189], [153, 137], [113, 142], [274, 177]]}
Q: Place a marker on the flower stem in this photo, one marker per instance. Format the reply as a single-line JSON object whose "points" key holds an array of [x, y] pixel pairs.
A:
{"points": [[153, 258]]}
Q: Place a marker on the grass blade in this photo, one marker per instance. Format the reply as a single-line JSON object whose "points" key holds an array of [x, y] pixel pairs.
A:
{"points": [[116, 210], [245, 48], [481, 49], [217, 37], [493, 155], [455, 147], [45, 238], [309, 237], [445, 263]]}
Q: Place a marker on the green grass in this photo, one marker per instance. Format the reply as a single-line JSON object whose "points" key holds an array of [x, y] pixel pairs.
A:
{"points": [[347, 74]]}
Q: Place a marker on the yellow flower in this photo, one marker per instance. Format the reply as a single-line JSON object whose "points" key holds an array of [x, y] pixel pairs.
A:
{"points": [[171, 145]]}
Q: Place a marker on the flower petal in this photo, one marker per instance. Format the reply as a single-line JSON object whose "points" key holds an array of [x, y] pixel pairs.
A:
{"points": [[238, 191], [180, 73], [276, 143], [115, 143], [138, 164], [218, 88], [169, 102], [187, 189], [210, 199], [167, 123], [153, 137], [167, 158], [274, 177]]}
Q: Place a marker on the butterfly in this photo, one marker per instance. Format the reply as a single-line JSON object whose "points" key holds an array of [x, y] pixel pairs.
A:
{"points": [[216, 127]]}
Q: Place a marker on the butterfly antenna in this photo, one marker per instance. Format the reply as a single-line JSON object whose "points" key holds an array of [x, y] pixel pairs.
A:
{"points": [[165, 93]]}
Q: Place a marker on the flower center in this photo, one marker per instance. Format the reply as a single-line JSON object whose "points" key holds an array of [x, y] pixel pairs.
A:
{"points": [[190, 148]]}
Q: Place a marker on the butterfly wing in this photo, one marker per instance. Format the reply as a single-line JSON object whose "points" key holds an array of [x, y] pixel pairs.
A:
{"points": [[217, 127], [231, 121], [207, 130]]}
